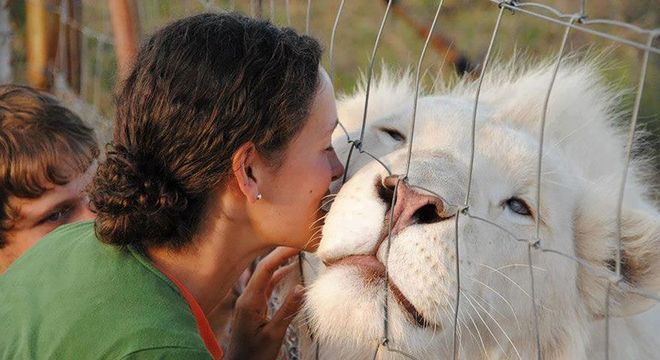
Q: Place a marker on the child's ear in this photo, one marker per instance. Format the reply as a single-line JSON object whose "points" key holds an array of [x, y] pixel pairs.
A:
{"points": [[243, 161]]}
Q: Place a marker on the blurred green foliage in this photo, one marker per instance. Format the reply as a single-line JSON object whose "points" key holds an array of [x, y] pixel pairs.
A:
{"points": [[468, 24]]}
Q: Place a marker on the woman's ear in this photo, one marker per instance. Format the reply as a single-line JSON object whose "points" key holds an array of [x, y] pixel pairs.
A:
{"points": [[243, 161]]}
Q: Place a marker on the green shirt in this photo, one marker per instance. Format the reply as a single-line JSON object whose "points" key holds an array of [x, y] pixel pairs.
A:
{"points": [[73, 297]]}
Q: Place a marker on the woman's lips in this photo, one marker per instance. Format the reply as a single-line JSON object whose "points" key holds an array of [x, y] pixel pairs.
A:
{"points": [[375, 270]]}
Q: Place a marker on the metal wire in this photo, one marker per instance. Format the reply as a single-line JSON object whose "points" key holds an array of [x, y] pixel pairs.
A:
{"points": [[607, 320], [628, 152], [331, 50], [516, 7], [307, 16], [466, 204], [578, 22], [537, 242], [544, 115], [597, 271], [583, 9], [209, 5], [97, 74], [357, 144], [371, 70], [288, 12], [390, 225], [622, 189], [411, 134]]}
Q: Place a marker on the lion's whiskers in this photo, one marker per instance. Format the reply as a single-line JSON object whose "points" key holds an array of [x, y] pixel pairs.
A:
{"points": [[496, 324], [315, 236], [328, 196], [492, 335], [525, 266], [496, 293], [473, 294], [461, 322], [537, 301], [317, 221], [481, 340], [459, 333]]}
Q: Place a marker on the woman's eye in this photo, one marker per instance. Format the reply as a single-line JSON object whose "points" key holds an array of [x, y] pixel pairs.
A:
{"points": [[519, 206], [330, 148], [394, 134]]}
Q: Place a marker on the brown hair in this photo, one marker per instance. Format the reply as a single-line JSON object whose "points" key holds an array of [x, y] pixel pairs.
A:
{"points": [[42, 143], [200, 88]]}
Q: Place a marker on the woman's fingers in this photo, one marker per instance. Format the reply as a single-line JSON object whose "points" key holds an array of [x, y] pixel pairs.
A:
{"points": [[267, 267], [279, 275], [253, 335], [251, 339], [285, 314]]}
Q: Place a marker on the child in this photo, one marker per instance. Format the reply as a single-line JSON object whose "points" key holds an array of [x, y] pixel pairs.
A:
{"points": [[47, 158]]}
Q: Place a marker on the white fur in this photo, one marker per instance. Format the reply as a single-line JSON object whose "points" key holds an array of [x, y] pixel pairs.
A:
{"points": [[582, 166]]}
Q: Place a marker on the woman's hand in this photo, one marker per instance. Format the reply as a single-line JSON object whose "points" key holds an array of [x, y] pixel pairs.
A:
{"points": [[253, 335]]}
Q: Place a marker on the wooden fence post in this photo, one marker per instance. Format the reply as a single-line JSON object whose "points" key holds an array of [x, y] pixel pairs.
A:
{"points": [[36, 29], [126, 30], [5, 43]]}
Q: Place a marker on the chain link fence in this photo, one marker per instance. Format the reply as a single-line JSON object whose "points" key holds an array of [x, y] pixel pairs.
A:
{"points": [[93, 99], [577, 21]]}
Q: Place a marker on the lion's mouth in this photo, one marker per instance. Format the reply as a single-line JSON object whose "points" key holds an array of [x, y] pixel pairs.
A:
{"points": [[374, 270]]}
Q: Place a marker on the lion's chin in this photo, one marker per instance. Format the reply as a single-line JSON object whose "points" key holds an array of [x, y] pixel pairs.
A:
{"points": [[373, 270], [345, 308], [342, 307]]}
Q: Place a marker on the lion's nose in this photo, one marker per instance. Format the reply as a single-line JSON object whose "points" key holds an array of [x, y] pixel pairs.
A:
{"points": [[411, 206]]}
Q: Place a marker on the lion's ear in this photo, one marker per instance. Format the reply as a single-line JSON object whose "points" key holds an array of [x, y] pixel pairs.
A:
{"points": [[640, 231], [596, 242]]}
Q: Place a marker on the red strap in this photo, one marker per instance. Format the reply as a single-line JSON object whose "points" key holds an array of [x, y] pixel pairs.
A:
{"points": [[202, 322]]}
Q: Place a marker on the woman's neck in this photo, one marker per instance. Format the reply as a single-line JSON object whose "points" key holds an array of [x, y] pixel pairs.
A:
{"points": [[220, 251]]}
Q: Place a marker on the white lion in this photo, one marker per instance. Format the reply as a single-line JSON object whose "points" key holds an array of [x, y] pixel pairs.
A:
{"points": [[583, 161]]}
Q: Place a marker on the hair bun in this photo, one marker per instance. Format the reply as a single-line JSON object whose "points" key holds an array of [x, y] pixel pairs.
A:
{"points": [[135, 199]]}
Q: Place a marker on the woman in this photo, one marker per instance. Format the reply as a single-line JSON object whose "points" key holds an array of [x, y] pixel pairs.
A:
{"points": [[221, 152]]}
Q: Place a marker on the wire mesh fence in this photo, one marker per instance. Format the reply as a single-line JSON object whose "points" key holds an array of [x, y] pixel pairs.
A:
{"points": [[577, 21], [93, 99]]}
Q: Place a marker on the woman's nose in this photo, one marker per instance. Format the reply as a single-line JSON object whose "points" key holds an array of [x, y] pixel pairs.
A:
{"points": [[337, 167]]}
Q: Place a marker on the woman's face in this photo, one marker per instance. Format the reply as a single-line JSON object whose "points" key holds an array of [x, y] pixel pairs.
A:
{"points": [[292, 193]]}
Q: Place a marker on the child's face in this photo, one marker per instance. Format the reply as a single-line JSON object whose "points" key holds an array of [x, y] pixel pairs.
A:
{"points": [[59, 205]]}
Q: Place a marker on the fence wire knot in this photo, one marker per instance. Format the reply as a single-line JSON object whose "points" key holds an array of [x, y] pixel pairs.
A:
{"points": [[535, 243], [357, 144], [615, 279], [511, 4], [464, 209]]}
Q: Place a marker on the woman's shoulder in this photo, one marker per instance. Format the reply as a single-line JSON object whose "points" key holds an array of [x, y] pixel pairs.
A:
{"points": [[167, 353], [76, 295]]}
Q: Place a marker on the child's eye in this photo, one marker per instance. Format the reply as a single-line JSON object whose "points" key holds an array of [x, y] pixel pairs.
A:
{"points": [[329, 148], [58, 215]]}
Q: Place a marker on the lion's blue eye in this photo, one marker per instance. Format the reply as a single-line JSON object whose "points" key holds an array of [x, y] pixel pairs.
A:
{"points": [[518, 206], [394, 134]]}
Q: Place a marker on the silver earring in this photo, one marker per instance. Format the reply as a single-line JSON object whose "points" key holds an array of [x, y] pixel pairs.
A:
{"points": [[258, 196]]}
